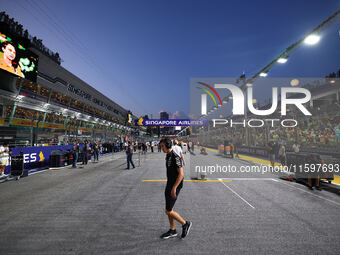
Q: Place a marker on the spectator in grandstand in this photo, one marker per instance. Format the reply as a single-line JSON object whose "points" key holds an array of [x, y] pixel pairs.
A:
{"points": [[271, 152], [178, 150], [7, 60], [2, 15], [129, 153], [75, 154], [296, 148], [6, 18], [4, 158], [282, 154]]}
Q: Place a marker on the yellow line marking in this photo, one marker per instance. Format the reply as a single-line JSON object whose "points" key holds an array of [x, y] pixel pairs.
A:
{"points": [[209, 149], [336, 179], [253, 159], [258, 160], [163, 180]]}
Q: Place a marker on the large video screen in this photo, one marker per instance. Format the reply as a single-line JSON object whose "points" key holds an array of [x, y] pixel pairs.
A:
{"points": [[17, 59]]}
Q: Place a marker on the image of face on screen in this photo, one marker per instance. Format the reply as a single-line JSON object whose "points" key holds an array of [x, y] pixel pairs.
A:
{"points": [[7, 58]]}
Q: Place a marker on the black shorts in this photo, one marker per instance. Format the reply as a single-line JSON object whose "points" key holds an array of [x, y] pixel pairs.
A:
{"points": [[169, 200]]}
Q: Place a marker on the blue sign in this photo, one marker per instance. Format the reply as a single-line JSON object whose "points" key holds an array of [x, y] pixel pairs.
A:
{"points": [[170, 122], [37, 157]]}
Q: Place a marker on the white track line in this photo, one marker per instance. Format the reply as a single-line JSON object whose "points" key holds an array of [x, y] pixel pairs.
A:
{"points": [[38, 172], [309, 192], [237, 194]]}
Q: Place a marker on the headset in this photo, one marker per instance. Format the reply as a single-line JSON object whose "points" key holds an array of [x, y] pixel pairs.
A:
{"points": [[167, 142]]}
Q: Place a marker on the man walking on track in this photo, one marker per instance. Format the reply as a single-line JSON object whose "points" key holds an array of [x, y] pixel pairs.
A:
{"points": [[129, 152], [174, 172]]}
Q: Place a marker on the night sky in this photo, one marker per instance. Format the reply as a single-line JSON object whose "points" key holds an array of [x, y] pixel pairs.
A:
{"points": [[142, 53]]}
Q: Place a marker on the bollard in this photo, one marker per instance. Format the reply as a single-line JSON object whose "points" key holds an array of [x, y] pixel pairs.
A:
{"points": [[139, 158]]}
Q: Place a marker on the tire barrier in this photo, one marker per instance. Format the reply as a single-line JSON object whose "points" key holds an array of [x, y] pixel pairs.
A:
{"points": [[226, 149], [60, 158]]}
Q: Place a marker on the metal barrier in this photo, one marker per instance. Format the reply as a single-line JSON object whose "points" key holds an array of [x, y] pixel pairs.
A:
{"points": [[139, 158]]}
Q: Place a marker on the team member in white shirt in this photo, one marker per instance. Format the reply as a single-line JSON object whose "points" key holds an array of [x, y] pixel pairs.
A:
{"points": [[178, 150], [4, 155]]}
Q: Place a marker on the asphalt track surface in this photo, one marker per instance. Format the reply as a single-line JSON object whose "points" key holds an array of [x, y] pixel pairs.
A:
{"points": [[105, 209]]}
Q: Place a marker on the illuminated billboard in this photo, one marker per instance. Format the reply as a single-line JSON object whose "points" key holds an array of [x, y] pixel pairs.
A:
{"points": [[16, 59], [129, 118]]}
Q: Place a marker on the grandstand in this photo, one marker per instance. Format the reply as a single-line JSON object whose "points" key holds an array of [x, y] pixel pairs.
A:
{"points": [[51, 105], [317, 133]]}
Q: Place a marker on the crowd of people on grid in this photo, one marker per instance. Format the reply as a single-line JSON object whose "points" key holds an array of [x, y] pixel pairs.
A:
{"points": [[143, 147], [85, 150]]}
